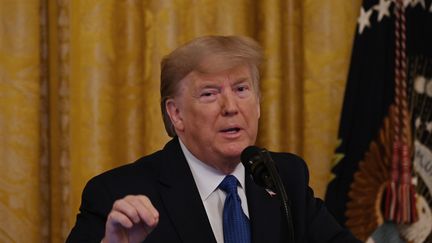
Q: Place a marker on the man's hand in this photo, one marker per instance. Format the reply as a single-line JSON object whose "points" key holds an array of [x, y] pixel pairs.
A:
{"points": [[131, 219]]}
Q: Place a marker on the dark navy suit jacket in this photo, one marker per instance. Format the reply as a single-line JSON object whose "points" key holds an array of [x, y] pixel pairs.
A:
{"points": [[166, 179]]}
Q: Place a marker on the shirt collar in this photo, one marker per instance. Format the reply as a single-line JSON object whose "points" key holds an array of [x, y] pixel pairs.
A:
{"points": [[206, 177]]}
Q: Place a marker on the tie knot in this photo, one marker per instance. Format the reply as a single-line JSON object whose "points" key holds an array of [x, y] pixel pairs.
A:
{"points": [[229, 184]]}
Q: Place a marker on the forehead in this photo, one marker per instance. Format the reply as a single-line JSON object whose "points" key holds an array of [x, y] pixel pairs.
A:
{"points": [[236, 74]]}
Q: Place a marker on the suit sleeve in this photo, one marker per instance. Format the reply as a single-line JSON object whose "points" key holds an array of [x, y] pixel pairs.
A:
{"points": [[96, 203]]}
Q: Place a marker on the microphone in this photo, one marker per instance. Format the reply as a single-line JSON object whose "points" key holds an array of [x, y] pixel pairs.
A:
{"points": [[259, 164], [254, 161]]}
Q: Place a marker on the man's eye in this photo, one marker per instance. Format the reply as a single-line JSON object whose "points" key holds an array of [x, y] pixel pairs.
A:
{"points": [[242, 91], [242, 88], [207, 94]]}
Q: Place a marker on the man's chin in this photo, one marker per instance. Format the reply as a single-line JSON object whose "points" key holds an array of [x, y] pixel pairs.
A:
{"points": [[233, 153]]}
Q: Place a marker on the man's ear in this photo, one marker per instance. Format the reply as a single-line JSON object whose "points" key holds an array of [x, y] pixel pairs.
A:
{"points": [[173, 111], [259, 110]]}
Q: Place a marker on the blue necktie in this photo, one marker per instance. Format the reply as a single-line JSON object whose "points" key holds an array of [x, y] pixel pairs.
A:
{"points": [[236, 228]]}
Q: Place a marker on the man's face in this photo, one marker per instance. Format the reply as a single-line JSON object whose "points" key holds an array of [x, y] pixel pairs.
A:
{"points": [[216, 115]]}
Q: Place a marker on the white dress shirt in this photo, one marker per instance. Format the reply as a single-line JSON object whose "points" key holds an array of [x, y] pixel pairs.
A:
{"points": [[207, 180]]}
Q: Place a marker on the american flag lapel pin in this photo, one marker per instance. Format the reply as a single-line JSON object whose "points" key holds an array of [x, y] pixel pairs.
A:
{"points": [[270, 192]]}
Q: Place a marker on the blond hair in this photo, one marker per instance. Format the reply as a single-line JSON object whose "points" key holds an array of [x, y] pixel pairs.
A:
{"points": [[206, 54]]}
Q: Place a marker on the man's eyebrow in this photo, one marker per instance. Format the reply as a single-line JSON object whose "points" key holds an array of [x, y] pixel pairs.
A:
{"points": [[242, 80], [207, 85]]}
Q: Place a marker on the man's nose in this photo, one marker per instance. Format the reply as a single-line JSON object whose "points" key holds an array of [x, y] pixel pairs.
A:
{"points": [[229, 103]]}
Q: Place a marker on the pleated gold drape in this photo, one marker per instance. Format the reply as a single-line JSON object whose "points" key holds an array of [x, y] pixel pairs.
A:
{"points": [[79, 90]]}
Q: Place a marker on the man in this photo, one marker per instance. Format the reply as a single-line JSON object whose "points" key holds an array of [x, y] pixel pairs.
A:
{"points": [[210, 106]]}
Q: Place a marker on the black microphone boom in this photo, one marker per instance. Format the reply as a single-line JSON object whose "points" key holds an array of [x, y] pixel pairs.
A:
{"points": [[259, 164]]}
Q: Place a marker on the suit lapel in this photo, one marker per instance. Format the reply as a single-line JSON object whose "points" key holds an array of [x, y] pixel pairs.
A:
{"points": [[181, 198], [264, 213]]}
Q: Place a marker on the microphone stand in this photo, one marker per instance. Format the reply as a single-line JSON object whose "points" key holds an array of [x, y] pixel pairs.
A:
{"points": [[280, 191]]}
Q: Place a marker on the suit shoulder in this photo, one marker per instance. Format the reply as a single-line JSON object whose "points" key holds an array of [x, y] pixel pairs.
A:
{"points": [[143, 169], [145, 163], [290, 160]]}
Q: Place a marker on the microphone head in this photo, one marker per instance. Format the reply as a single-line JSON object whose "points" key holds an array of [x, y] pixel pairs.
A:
{"points": [[248, 153], [254, 162]]}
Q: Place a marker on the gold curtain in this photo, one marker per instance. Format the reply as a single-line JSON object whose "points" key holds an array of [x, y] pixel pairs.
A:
{"points": [[79, 90]]}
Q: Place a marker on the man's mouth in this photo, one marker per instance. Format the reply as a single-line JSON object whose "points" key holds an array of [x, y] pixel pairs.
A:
{"points": [[231, 130]]}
